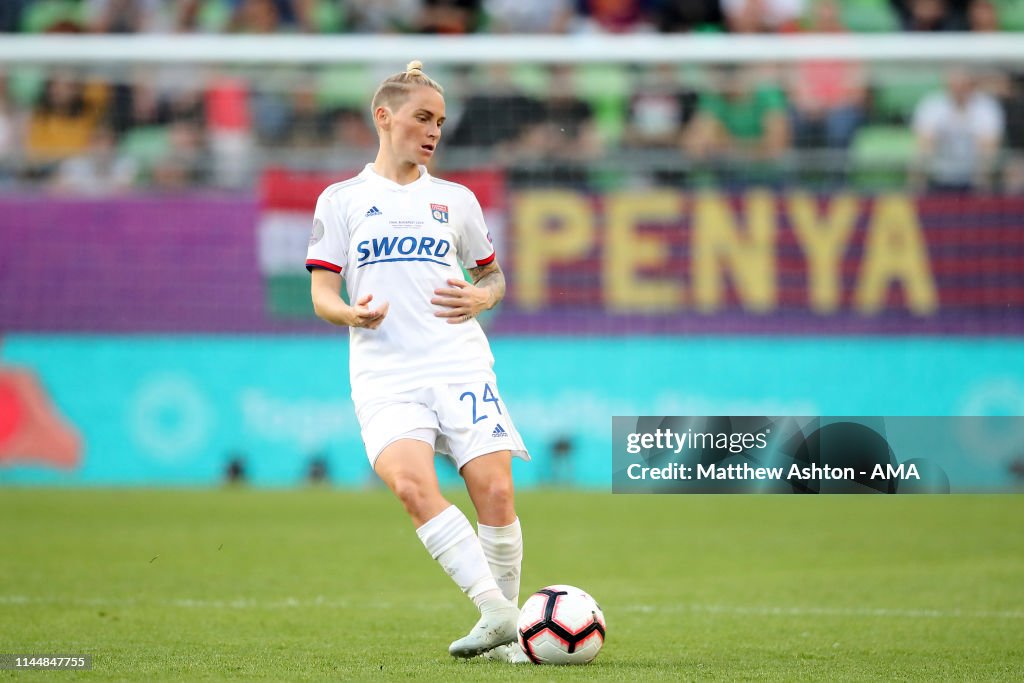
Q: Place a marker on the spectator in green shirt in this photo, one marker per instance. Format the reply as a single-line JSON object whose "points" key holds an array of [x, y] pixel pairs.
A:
{"points": [[742, 120]]}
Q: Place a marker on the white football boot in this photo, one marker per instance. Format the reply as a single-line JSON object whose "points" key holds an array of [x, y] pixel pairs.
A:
{"points": [[496, 627], [511, 653]]}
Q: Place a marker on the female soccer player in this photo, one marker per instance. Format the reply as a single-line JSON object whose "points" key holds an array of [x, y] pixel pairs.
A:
{"points": [[420, 365]]}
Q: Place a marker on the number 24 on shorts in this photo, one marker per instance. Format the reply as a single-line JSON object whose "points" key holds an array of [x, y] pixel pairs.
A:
{"points": [[487, 397]]}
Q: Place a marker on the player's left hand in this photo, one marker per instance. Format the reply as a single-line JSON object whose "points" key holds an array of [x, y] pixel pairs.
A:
{"points": [[460, 301]]}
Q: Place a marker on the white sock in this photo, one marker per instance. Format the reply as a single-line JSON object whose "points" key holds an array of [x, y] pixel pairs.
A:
{"points": [[450, 540], [503, 548]]}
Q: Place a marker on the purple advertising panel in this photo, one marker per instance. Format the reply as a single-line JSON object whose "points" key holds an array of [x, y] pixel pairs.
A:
{"points": [[146, 264], [778, 262], [630, 261]]}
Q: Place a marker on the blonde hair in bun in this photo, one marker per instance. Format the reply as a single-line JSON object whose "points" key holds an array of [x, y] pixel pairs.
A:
{"points": [[396, 88]]}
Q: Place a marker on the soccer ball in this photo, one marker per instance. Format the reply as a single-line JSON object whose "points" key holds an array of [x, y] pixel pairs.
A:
{"points": [[561, 625]]}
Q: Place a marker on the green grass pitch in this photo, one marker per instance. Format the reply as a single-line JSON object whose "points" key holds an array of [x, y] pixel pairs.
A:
{"points": [[330, 585]]}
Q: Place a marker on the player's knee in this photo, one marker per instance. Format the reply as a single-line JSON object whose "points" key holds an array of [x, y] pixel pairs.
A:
{"points": [[499, 495], [416, 495]]}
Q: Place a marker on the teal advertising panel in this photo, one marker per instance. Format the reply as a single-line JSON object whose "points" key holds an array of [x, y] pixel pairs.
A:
{"points": [[175, 410]]}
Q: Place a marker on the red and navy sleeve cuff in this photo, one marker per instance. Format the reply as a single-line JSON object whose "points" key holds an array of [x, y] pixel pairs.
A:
{"points": [[314, 263], [486, 261]]}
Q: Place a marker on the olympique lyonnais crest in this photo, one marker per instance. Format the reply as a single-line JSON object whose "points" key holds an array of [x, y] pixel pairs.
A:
{"points": [[439, 212]]}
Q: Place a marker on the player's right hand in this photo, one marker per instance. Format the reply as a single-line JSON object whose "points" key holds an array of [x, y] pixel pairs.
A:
{"points": [[364, 316]]}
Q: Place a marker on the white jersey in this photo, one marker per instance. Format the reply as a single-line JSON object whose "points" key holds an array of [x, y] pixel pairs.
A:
{"points": [[400, 243], [958, 132]]}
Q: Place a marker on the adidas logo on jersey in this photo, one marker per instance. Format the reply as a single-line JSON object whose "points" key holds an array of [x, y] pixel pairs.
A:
{"points": [[374, 211], [498, 432]]}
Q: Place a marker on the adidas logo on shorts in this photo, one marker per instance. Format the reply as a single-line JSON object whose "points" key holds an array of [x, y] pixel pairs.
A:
{"points": [[498, 432], [374, 211]]}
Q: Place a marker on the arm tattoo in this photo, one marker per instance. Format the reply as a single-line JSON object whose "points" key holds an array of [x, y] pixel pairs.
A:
{"points": [[490, 277]]}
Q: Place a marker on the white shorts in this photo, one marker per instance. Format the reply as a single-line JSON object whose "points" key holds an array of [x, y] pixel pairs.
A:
{"points": [[462, 421]]}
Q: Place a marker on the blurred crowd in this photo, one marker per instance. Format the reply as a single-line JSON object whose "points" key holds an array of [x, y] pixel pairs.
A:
{"points": [[820, 122], [496, 16]]}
